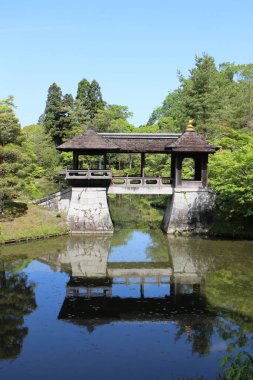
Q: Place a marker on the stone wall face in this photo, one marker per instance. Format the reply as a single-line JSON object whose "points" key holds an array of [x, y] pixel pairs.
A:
{"points": [[86, 208], [189, 212]]}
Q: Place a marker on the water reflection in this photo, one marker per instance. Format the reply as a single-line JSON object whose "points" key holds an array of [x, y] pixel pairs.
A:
{"points": [[16, 301], [196, 294], [101, 290], [173, 285]]}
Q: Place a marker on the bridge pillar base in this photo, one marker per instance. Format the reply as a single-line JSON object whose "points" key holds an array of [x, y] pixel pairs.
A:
{"points": [[88, 211], [189, 212]]}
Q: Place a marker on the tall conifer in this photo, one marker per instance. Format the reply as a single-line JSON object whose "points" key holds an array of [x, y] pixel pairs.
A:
{"points": [[53, 110]]}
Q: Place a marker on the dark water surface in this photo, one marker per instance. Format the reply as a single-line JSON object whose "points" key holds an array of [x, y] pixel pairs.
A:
{"points": [[135, 305]]}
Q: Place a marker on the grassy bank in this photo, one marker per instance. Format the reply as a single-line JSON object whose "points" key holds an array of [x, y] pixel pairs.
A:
{"points": [[21, 220]]}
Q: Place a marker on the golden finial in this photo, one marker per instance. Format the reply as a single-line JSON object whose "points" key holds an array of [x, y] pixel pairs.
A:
{"points": [[189, 127]]}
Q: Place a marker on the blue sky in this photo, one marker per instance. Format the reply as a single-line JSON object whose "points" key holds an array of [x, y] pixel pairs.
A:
{"points": [[132, 48]]}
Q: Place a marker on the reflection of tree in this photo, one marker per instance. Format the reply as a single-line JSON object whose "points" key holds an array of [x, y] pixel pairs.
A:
{"points": [[198, 330], [229, 292], [16, 300], [121, 237], [234, 337], [159, 250], [232, 287]]}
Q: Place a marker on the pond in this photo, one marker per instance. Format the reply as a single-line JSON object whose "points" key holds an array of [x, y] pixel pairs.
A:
{"points": [[134, 305]]}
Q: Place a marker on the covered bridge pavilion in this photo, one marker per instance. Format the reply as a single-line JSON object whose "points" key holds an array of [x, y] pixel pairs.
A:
{"points": [[180, 146], [85, 201]]}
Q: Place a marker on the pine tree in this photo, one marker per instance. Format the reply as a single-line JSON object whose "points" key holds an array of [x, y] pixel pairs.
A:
{"points": [[82, 92], [90, 97], [65, 120], [201, 96], [95, 99], [53, 114]]}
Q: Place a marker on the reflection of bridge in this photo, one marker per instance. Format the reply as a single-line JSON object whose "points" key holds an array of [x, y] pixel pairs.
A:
{"points": [[86, 200], [100, 291], [122, 275]]}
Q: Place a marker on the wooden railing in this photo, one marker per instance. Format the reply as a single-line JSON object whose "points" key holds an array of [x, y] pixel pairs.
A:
{"points": [[89, 174], [125, 181], [140, 181]]}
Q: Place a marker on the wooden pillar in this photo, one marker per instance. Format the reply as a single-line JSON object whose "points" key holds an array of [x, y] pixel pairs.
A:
{"points": [[178, 171], [105, 161], [204, 170], [197, 169], [142, 164], [75, 161], [173, 168]]}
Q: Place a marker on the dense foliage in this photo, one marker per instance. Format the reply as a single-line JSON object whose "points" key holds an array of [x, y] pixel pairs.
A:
{"points": [[10, 154], [220, 101], [215, 97]]}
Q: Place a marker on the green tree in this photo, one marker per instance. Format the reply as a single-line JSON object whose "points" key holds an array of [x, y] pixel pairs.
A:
{"points": [[17, 171], [231, 173], [113, 118], [216, 97], [40, 146], [243, 104], [10, 155], [169, 117], [79, 119], [83, 91], [65, 120], [9, 125], [90, 97], [95, 99], [53, 113]]}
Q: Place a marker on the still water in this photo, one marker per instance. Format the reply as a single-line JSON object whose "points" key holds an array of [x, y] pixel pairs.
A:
{"points": [[135, 305]]}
